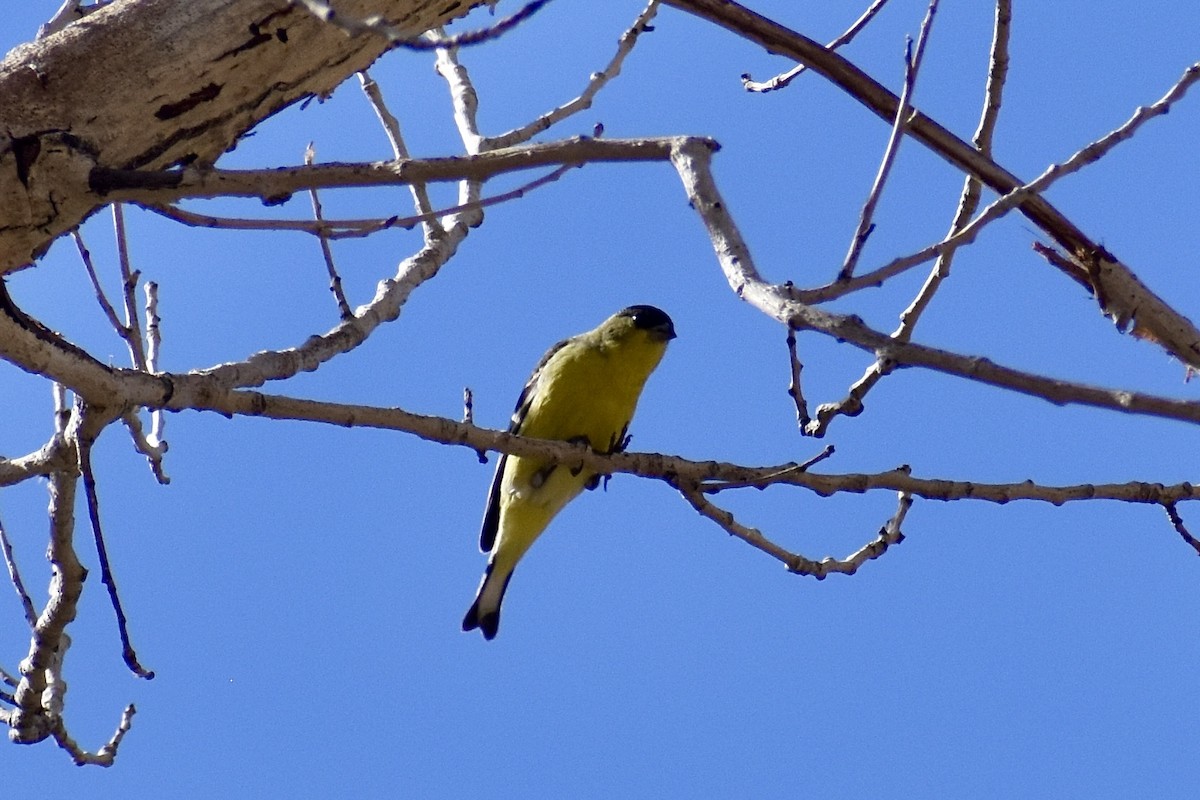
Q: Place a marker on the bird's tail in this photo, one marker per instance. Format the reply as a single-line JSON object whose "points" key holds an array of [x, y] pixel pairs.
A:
{"points": [[484, 613]]}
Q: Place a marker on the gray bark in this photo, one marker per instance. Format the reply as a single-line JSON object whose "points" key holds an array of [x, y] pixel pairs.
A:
{"points": [[153, 83]]}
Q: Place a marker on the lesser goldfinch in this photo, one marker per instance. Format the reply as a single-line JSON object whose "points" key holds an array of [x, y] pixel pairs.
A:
{"points": [[585, 389]]}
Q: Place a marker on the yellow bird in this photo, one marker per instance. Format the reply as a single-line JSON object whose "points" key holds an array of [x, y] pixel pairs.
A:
{"points": [[585, 389]]}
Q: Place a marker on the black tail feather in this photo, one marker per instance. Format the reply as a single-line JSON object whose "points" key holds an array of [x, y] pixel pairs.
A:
{"points": [[489, 622]]}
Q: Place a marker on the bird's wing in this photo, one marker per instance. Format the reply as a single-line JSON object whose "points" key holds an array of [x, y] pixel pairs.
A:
{"points": [[529, 393], [491, 515]]}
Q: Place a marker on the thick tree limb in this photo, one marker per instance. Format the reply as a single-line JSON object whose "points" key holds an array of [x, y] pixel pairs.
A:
{"points": [[181, 82]]}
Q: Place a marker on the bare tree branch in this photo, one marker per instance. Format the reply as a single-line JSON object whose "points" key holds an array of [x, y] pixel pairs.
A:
{"points": [[912, 65], [1180, 528], [783, 79], [35, 715], [156, 446], [596, 82], [276, 185], [710, 475], [692, 160], [1120, 294], [106, 575], [1094, 276], [70, 11], [107, 754], [795, 390], [798, 564], [68, 165], [350, 228], [969, 199], [85, 256], [218, 66], [398, 37], [968, 202], [391, 127], [143, 445], [335, 280], [131, 329], [14, 575]]}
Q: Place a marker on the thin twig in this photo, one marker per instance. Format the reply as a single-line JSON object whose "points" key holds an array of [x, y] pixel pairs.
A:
{"points": [[730, 525], [465, 102], [153, 344], [912, 65], [154, 326], [795, 389], [85, 255], [331, 229], [596, 82], [463, 97], [1089, 154], [350, 228], [62, 409], [469, 418], [397, 37], [107, 754], [782, 80], [14, 575], [968, 203], [468, 406], [1181, 529], [391, 127], [807, 464], [335, 280], [888, 535], [131, 330], [70, 11], [106, 576], [7, 678], [710, 486], [153, 451]]}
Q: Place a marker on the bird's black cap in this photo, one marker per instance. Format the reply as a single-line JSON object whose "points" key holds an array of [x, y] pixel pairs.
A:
{"points": [[649, 318]]}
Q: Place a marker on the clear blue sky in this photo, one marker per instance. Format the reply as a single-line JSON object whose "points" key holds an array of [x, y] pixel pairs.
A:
{"points": [[298, 589]]}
